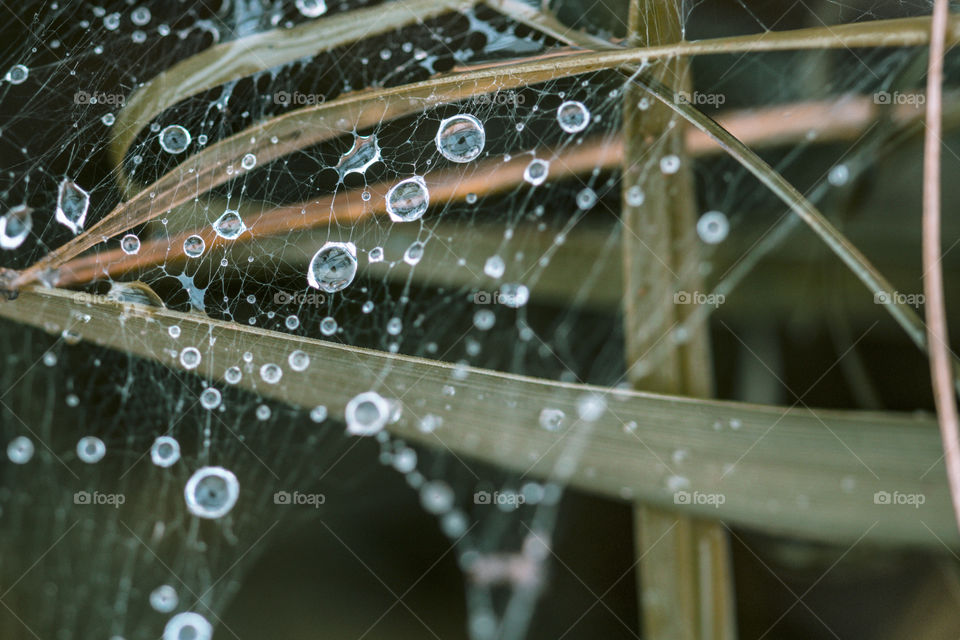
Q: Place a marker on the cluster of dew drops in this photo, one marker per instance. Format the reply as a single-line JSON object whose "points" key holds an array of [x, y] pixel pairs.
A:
{"points": [[211, 492]]}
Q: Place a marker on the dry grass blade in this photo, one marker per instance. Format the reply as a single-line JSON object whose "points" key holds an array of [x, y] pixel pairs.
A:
{"points": [[837, 459], [939, 341], [875, 282]]}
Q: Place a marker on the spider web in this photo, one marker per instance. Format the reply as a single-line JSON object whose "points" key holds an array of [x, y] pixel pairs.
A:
{"points": [[504, 271]]}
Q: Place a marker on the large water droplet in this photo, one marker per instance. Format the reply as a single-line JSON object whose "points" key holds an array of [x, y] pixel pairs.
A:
{"points": [[72, 205], [460, 138], [414, 253], [333, 267], [91, 449], [130, 244], [20, 450], [408, 200], [312, 8], [230, 225], [164, 599], [194, 246], [188, 626], [713, 227], [365, 152], [211, 492], [367, 414], [15, 226], [17, 74], [175, 139], [573, 116]]}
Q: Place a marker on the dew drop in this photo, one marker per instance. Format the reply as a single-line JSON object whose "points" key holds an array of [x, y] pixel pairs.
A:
{"points": [[328, 326], [591, 406], [484, 319], [298, 360], [573, 116], [233, 375], [91, 449], [670, 164], [312, 8], [210, 398], [190, 358], [408, 200], [635, 196], [367, 414], [20, 450], [586, 198], [333, 267], [188, 626], [230, 225], [460, 138], [15, 226], [414, 253], [17, 74], [494, 267], [514, 294], [713, 227], [108, 119], [364, 153], [194, 246], [436, 497], [318, 413], [165, 451], [249, 161], [211, 493], [164, 599], [271, 373], [552, 419], [130, 244], [72, 205], [174, 139], [375, 254], [537, 171], [839, 175]]}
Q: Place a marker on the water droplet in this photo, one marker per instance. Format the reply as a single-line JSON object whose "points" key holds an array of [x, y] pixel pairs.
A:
{"points": [[586, 198], [164, 599], [210, 398], [233, 375], [130, 244], [174, 331], [292, 322], [20, 450], [573, 116], [140, 16], [839, 175], [460, 138], [394, 326], [165, 451], [405, 460], [635, 196], [194, 246], [298, 360], [514, 294], [360, 157], [494, 267], [271, 373], [190, 358], [408, 200], [713, 227], [484, 319], [670, 164], [108, 119], [436, 497], [552, 419], [211, 493], [318, 413], [414, 253], [72, 205], [312, 8], [175, 139], [375, 254], [333, 267], [367, 414], [591, 406], [328, 326], [15, 226], [537, 171], [91, 449], [17, 74], [188, 626], [230, 225], [248, 161]]}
